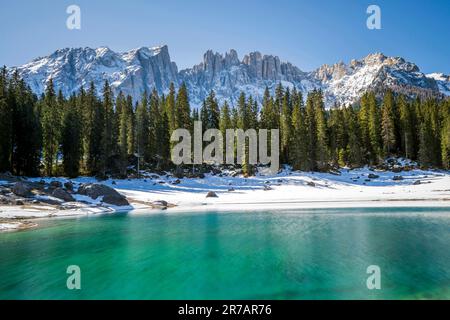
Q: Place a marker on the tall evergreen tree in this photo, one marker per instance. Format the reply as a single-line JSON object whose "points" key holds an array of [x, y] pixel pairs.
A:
{"points": [[142, 128], [96, 127], [388, 131], [51, 127], [71, 139]]}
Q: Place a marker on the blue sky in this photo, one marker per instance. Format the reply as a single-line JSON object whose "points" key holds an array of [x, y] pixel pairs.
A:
{"points": [[306, 33]]}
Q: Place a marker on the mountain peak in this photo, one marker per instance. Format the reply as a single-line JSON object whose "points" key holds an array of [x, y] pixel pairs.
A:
{"points": [[145, 68]]}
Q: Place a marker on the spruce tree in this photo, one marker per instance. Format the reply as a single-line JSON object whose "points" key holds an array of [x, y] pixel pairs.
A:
{"points": [[142, 128], [71, 139], [6, 125], [298, 138], [388, 131], [170, 104], [374, 124], [183, 109], [110, 132], [51, 128], [321, 132], [96, 128], [285, 127]]}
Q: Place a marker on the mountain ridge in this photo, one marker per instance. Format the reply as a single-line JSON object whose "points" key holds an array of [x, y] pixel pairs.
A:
{"points": [[142, 69]]}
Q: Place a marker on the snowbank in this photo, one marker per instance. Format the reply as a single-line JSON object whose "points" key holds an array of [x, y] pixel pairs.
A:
{"points": [[286, 190]]}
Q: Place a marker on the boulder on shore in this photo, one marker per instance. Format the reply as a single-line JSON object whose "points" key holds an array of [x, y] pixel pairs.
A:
{"points": [[109, 195], [62, 194], [22, 189], [55, 184], [212, 194], [68, 185]]}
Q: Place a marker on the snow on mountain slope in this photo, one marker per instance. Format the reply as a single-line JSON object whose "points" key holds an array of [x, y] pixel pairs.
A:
{"points": [[143, 69], [133, 72], [443, 82]]}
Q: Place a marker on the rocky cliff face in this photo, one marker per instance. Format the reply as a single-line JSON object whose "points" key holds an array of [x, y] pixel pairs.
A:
{"points": [[133, 72], [143, 69]]}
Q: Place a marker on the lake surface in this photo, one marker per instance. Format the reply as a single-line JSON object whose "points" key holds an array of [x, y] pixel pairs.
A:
{"points": [[290, 254]]}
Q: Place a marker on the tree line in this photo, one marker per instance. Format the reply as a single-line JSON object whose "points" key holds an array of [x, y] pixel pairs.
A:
{"points": [[100, 136]]}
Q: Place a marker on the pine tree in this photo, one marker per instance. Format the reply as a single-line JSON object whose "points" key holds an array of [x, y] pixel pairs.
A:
{"points": [[71, 139], [321, 127], [374, 124], [388, 131], [51, 127], [142, 128], [445, 134], [96, 126], [110, 132], [363, 124], [125, 129], [5, 124], [354, 147], [244, 124], [311, 129], [212, 112], [170, 104], [298, 140], [131, 132], [337, 135], [407, 127], [285, 127], [225, 122], [183, 109]]}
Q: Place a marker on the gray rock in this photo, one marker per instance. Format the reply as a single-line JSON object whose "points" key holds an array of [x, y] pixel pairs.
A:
{"points": [[56, 184], [160, 203], [62, 194], [373, 176], [212, 194], [4, 190], [5, 200], [397, 178], [417, 182], [68, 185], [22, 189], [311, 184], [109, 195]]}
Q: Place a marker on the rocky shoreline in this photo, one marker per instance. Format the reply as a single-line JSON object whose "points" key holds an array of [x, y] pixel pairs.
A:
{"points": [[55, 198]]}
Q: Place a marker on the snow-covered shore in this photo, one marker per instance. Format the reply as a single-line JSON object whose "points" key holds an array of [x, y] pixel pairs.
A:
{"points": [[286, 190]]}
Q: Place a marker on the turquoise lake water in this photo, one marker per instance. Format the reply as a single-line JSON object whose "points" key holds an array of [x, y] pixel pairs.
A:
{"points": [[290, 254]]}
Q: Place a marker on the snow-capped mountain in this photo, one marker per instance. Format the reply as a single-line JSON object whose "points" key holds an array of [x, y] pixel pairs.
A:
{"points": [[133, 72], [144, 68]]}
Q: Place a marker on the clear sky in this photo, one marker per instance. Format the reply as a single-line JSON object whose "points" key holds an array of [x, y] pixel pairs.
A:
{"points": [[306, 33]]}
